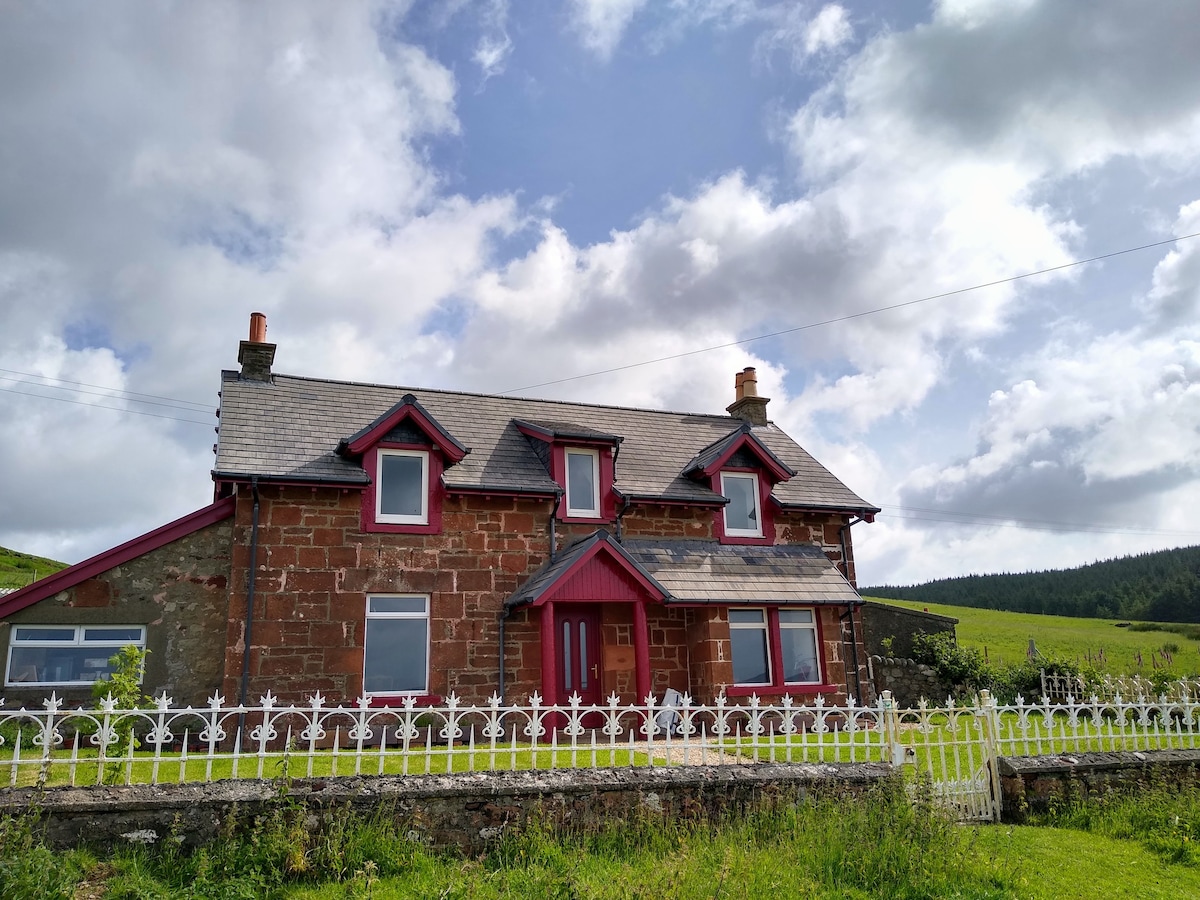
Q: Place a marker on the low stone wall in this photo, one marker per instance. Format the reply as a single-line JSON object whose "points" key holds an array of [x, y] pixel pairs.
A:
{"points": [[1033, 784], [909, 681], [466, 811]]}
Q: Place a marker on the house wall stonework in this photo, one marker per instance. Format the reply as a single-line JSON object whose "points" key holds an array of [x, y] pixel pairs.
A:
{"points": [[316, 566], [179, 591]]}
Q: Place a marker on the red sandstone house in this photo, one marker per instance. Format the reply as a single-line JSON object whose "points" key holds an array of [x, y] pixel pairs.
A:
{"points": [[420, 543]]}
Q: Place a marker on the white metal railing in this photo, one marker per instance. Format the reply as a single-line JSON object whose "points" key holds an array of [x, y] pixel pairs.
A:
{"points": [[167, 744], [953, 746]]}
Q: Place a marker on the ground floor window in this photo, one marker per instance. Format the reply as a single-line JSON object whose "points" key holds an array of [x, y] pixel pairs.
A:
{"points": [[66, 654], [396, 645], [774, 647]]}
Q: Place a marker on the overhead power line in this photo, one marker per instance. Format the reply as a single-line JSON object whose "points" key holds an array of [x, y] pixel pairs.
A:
{"points": [[857, 315], [131, 395], [122, 409]]}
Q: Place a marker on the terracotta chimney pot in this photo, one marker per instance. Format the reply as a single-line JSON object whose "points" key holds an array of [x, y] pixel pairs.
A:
{"points": [[747, 405], [258, 328]]}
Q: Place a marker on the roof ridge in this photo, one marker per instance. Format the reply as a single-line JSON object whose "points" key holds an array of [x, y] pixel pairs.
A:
{"points": [[400, 387]]}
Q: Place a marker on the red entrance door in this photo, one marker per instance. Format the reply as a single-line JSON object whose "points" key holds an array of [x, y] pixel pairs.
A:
{"points": [[577, 633]]}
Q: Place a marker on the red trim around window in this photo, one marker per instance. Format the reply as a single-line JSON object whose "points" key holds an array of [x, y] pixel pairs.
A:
{"points": [[777, 686], [558, 471], [437, 492], [766, 509]]}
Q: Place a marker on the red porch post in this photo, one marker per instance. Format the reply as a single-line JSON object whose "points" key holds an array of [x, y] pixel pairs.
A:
{"points": [[549, 656], [641, 652]]}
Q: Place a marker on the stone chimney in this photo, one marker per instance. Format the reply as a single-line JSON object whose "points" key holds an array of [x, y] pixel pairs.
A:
{"points": [[747, 405], [256, 355]]}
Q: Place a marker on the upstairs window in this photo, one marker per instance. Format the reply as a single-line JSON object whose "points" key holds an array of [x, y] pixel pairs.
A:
{"points": [[402, 493], [583, 483], [743, 517], [67, 654]]}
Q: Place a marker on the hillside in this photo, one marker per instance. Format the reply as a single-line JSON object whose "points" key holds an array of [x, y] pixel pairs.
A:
{"points": [[1159, 587], [1098, 644], [20, 569]]}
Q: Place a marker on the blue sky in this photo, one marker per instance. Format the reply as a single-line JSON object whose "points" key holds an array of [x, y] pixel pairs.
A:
{"points": [[486, 194]]}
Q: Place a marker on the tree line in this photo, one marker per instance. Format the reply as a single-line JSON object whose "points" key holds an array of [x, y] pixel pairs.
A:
{"points": [[1163, 586]]}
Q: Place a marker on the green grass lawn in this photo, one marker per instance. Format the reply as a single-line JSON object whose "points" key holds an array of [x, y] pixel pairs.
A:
{"points": [[144, 769], [1005, 637]]}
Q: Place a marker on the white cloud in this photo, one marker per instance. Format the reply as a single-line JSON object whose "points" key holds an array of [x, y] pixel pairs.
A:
{"points": [[173, 169], [601, 23]]}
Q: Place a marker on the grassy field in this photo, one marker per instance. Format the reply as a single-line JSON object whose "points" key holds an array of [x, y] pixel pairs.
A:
{"points": [[1005, 637], [20, 569]]}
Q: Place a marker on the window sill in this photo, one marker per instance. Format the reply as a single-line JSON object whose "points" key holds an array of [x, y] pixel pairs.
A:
{"points": [[775, 690], [393, 528], [394, 700], [586, 520]]}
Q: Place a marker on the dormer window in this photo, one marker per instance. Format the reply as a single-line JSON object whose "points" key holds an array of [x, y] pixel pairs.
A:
{"points": [[743, 514], [583, 483], [402, 495], [403, 454], [581, 461]]}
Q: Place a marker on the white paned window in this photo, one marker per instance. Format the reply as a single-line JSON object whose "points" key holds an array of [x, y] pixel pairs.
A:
{"points": [[396, 645], [583, 483], [66, 654], [742, 514], [750, 647], [402, 487], [798, 644]]}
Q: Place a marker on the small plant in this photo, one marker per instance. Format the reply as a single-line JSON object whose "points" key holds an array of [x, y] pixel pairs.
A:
{"points": [[124, 684]]}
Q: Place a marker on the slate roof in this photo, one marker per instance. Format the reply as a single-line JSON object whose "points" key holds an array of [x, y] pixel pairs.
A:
{"points": [[706, 572], [289, 429]]}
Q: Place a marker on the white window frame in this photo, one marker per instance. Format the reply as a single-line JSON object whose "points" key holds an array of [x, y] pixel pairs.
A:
{"points": [[106, 648], [422, 616], [393, 518], [743, 532], [765, 628], [592, 512], [808, 626]]}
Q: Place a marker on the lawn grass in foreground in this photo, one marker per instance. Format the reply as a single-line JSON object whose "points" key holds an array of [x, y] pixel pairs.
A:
{"points": [[170, 768], [880, 846]]}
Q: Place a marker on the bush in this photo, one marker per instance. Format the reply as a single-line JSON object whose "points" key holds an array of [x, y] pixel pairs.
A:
{"points": [[965, 668]]}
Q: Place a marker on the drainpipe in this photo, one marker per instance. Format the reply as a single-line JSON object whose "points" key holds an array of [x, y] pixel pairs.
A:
{"points": [[504, 613], [850, 609], [625, 504], [249, 632], [558, 495]]}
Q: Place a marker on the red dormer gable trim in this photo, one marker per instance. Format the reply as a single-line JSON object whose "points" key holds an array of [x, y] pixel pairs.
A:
{"points": [[745, 440], [110, 559], [408, 409]]}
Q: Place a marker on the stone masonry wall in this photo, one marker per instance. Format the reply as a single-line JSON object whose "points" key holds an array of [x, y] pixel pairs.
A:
{"points": [[469, 812], [179, 591], [910, 681], [316, 567], [1034, 784]]}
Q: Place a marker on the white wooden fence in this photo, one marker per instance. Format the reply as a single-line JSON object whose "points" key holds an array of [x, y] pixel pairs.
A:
{"points": [[952, 747]]}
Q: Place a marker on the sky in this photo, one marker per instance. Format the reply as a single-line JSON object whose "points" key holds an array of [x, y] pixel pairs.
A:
{"points": [[503, 196]]}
